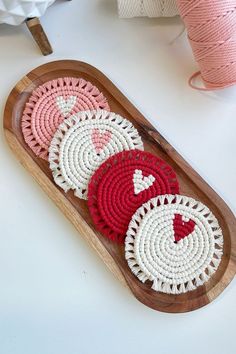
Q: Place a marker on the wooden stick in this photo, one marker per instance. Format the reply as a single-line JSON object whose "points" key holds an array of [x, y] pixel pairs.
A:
{"points": [[39, 35]]}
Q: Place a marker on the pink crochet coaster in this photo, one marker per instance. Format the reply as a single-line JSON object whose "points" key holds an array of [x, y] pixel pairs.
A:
{"points": [[51, 103]]}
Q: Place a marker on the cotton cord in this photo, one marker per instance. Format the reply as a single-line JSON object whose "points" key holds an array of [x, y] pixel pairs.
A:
{"points": [[122, 184], [150, 8], [51, 103], [211, 27], [175, 242], [83, 142]]}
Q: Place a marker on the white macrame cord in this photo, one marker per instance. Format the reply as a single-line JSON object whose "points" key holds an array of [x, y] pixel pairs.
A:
{"points": [[150, 8]]}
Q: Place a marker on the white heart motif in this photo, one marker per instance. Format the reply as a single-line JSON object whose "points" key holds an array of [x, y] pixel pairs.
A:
{"points": [[141, 183], [65, 106]]}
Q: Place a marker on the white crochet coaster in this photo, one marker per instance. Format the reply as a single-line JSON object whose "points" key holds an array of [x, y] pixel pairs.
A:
{"points": [[175, 242], [83, 142]]}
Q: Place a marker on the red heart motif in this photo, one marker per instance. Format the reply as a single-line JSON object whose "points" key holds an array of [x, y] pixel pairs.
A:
{"points": [[100, 139], [182, 228]]}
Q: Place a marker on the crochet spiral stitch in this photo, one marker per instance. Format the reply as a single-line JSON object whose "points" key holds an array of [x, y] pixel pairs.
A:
{"points": [[175, 242], [83, 142], [150, 8], [122, 184], [51, 103]]}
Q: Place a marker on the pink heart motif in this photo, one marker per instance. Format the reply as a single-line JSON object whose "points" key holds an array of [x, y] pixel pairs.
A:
{"points": [[99, 139], [182, 228]]}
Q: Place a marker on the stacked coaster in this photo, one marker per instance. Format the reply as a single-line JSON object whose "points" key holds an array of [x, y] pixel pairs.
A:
{"points": [[175, 242], [83, 142], [122, 184], [51, 103], [171, 240]]}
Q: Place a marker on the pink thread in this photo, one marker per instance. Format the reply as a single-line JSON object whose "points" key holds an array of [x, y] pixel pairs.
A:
{"points": [[51, 103], [211, 26]]}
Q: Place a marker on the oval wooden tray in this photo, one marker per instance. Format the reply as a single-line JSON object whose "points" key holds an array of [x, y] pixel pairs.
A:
{"points": [[76, 210]]}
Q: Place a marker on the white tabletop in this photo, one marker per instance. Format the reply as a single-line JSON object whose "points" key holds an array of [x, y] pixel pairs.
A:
{"points": [[56, 294]]}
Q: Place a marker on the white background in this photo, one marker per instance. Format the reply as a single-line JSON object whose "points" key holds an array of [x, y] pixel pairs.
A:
{"points": [[56, 295]]}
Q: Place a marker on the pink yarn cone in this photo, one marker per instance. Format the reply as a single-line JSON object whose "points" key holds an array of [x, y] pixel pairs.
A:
{"points": [[211, 26]]}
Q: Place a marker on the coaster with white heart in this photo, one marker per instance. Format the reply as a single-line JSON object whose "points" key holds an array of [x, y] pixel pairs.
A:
{"points": [[122, 184], [52, 102]]}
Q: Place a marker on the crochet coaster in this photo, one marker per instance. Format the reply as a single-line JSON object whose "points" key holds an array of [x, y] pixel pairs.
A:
{"points": [[83, 142], [175, 242], [51, 103], [122, 184]]}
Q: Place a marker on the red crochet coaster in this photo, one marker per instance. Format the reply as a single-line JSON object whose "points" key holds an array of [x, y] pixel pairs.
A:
{"points": [[122, 184], [51, 103]]}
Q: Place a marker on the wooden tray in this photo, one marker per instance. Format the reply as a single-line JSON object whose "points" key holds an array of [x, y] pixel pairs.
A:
{"points": [[76, 210]]}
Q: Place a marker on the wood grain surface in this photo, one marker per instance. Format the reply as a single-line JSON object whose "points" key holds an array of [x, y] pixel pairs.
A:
{"points": [[76, 210]]}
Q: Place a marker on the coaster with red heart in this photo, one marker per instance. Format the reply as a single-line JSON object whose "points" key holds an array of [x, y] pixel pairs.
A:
{"points": [[175, 242]]}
